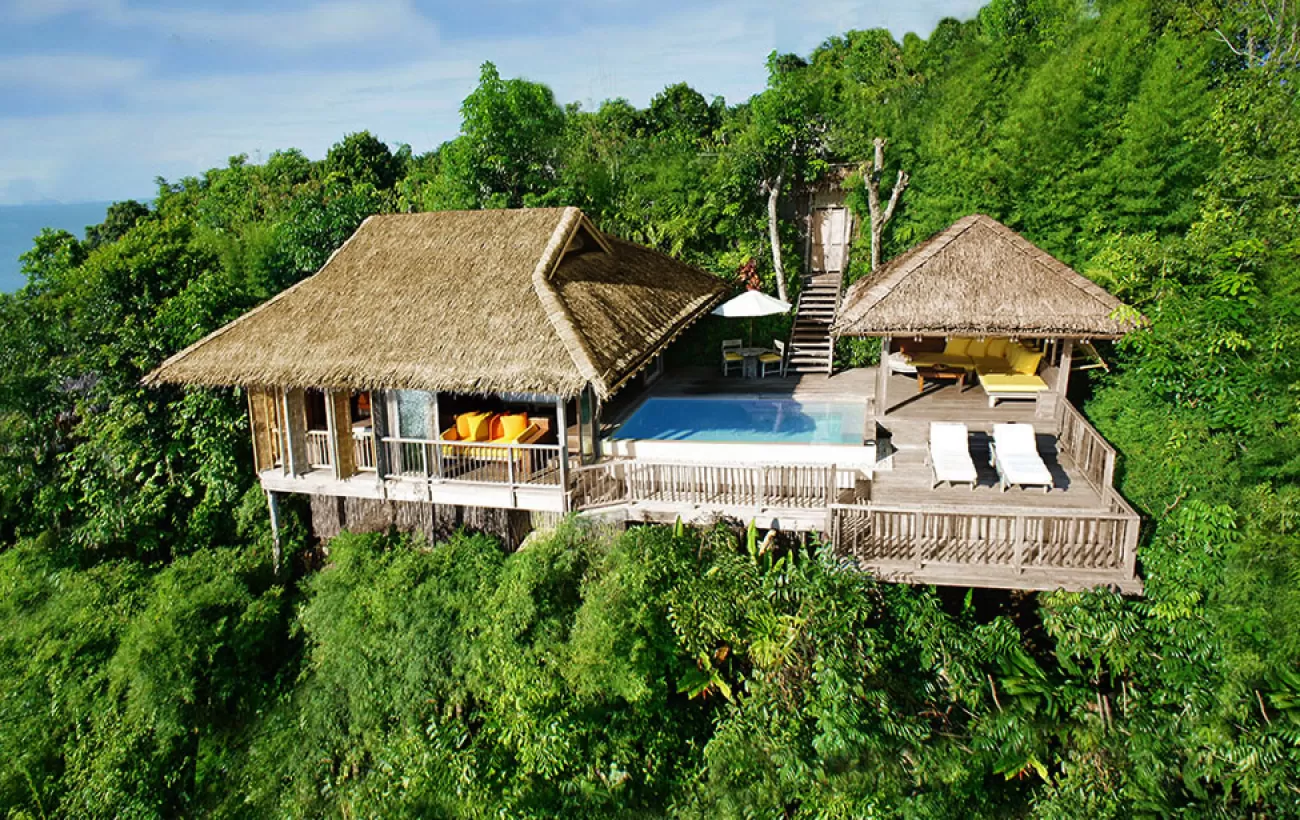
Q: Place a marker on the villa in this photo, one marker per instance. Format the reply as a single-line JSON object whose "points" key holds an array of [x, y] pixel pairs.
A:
{"points": [[500, 369]]}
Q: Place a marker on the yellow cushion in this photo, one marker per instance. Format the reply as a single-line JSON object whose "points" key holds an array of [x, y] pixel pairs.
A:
{"points": [[1028, 363], [997, 348], [957, 346], [733, 357], [1012, 383], [480, 426], [770, 357], [931, 359], [462, 425], [512, 424], [976, 348]]}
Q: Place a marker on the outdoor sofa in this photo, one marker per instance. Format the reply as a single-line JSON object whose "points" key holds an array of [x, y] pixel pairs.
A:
{"points": [[1006, 369]]}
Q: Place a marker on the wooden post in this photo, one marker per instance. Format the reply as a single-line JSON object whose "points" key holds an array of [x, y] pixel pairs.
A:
{"points": [[295, 422], [277, 554], [437, 436], [882, 377], [379, 428], [1052, 409], [562, 436]]}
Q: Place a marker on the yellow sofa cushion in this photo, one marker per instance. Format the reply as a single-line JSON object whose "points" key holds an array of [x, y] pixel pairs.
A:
{"points": [[956, 346], [512, 424], [1027, 362], [997, 348], [480, 426], [462, 426], [976, 348], [1012, 383], [931, 359]]}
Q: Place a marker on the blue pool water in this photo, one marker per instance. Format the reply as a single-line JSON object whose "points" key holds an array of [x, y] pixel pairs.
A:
{"points": [[753, 420]]}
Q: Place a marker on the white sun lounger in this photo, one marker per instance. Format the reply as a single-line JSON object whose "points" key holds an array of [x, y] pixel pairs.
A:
{"points": [[1014, 452], [950, 454]]}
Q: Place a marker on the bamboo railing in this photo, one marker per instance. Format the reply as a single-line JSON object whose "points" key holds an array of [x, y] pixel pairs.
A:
{"points": [[1091, 454], [318, 449], [472, 462]]}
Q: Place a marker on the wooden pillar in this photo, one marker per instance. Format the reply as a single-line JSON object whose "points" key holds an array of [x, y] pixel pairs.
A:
{"points": [[295, 424], [882, 377], [1049, 405], [1063, 372], [277, 551], [562, 435], [379, 424], [338, 414], [437, 435]]}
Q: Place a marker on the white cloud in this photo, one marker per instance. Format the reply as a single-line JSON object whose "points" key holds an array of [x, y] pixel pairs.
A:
{"points": [[323, 25], [176, 125], [69, 73]]}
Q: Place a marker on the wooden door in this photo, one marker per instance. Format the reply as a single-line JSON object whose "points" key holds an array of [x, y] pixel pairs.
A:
{"points": [[830, 235]]}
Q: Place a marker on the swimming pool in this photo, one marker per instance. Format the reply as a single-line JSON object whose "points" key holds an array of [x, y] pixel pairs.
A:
{"points": [[776, 421]]}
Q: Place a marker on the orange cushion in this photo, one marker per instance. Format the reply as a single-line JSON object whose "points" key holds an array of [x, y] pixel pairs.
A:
{"points": [[512, 424], [462, 425], [480, 426]]}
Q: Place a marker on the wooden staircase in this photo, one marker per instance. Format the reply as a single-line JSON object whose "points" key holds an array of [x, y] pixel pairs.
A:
{"points": [[811, 349]]}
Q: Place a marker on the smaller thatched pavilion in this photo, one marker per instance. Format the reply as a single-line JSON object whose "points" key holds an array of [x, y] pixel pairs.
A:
{"points": [[966, 296]]}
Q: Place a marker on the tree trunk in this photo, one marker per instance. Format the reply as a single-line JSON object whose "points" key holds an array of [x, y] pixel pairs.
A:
{"points": [[878, 218], [773, 189]]}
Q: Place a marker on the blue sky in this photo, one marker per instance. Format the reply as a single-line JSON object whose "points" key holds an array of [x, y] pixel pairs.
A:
{"points": [[98, 97]]}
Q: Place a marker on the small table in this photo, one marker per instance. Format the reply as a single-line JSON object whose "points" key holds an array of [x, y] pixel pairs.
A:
{"points": [[940, 372], [750, 368]]}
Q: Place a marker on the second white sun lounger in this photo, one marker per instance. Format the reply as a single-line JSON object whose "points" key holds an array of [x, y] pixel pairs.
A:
{"points": [[950, 454], [1014, 452]]}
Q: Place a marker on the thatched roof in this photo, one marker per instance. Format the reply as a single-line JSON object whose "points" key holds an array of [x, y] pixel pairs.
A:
{"points": [[528, 301], [980, 278]]}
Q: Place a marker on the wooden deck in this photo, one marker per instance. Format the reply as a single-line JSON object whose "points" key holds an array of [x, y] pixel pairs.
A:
{"points": [[909, 481], [946, 401], [858, 383]]}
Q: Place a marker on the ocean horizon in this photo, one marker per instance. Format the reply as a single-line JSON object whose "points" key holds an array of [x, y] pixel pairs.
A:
{"points": [[21, 224]]}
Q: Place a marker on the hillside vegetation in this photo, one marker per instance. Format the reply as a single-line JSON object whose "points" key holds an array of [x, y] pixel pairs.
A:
{"points": [[153, 665]]}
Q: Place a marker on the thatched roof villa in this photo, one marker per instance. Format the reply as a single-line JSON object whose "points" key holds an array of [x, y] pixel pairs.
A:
{"points": [[456, 368]]}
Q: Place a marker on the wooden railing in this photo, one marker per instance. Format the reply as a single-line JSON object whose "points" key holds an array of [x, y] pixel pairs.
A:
{"points": [[1068, 545], [318, 449], [597, 485], [472, 462], [363, 449], [1092, 455], [785, 485], [780, 486]]}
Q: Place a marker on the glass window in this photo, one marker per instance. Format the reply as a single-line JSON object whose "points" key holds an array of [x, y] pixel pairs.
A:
{"points": [[414, 414]]}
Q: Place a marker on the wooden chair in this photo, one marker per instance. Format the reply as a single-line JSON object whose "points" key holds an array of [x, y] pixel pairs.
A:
{"points": [[776, 359], [731, 356]]}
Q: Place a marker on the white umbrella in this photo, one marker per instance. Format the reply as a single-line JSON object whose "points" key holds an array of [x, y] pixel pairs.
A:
{"points": [[749, 304]]}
